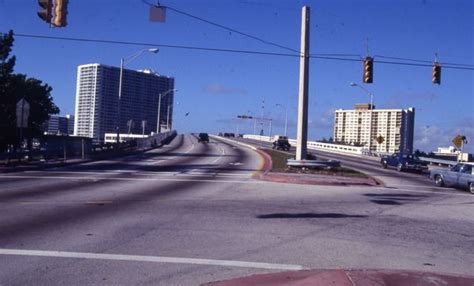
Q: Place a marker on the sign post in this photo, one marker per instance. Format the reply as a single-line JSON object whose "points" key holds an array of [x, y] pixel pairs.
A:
{"points": [[22, 114]]}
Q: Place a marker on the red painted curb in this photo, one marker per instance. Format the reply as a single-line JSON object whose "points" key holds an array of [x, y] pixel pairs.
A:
{"points": [[342, 277], [267, 165]]}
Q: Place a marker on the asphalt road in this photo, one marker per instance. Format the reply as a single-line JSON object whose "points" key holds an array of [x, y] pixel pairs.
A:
{"points": [[391, 178], [191, 213]]}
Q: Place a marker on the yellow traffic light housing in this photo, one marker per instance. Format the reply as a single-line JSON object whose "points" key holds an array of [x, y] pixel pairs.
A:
{"points": [[45, 12], [60, 13], [436, 73], [368, 76]]}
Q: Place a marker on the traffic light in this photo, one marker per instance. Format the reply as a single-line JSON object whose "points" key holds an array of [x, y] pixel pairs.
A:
{"points": [[60, 13], [368, 70], [45, 12], [436, 73]]}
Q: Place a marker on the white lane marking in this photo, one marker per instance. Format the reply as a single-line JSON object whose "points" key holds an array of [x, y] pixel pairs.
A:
{"points": [[156, 259], [135, 179], [220, 157]]}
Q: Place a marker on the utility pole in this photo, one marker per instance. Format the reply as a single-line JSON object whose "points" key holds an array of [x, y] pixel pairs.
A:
{"points": [[302, 129]]}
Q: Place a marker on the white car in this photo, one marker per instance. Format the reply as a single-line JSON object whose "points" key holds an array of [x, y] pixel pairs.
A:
{"points": [[461, 176]]}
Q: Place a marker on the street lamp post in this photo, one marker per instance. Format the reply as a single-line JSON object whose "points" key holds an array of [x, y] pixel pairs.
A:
{"points": [[286, 117], [371, 111], [123, 62], [168, 118], [161, 95]]}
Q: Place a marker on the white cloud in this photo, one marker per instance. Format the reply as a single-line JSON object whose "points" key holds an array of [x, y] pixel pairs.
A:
{"points": [[429, 138], [217, 88]]}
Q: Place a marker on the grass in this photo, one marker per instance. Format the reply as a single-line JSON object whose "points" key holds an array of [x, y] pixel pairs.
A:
{"points": [[279, 160]]}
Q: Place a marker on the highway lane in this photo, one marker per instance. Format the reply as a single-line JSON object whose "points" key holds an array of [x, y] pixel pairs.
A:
{"points": [[39, 208], [390, 177], [191, 213]]}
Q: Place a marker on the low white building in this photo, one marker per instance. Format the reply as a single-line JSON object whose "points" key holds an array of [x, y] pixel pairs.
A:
{"points": [[112, 137], [447, 151]]}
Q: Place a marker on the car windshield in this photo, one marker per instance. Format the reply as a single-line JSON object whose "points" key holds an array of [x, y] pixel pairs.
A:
{"points": [[168, 142]]}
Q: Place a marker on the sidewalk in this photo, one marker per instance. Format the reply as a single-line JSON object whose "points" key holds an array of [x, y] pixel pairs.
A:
{"points": [[349, 278]]}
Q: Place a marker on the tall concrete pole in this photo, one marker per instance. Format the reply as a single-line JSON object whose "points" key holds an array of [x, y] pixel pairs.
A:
{"points": [[302, 129]]}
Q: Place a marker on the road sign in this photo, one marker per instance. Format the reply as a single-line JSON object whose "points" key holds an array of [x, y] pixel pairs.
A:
{"points": [[459, 140], [22, 113], [380, 139], [157, 14]]}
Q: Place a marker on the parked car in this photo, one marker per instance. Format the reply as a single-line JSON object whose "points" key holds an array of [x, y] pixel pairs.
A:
{"points": [[460, 176], [404, 161], [281, 143], [203, 137]]}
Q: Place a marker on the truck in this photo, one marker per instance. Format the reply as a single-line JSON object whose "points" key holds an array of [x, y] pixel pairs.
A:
{"points": [[281, 143]]}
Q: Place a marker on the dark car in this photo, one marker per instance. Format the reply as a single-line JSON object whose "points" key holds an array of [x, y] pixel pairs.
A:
{"points": [[403, 162], [203, 137], [281, 143], [460, 176]]}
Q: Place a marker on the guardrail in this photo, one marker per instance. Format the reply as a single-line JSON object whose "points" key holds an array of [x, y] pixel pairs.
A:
{"points": [[350, 150], [314, 145], [67, 151], [438, 161]]}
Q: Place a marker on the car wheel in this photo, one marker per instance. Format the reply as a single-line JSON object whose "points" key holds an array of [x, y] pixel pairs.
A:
{"points": [[399, 167], [471, 187], [384, 165], [439, 181]]}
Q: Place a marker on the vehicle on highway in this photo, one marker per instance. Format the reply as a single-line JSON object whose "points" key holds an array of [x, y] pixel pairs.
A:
{"points": [[203, 137], [281, 143], [461, 176], [404, 162]]}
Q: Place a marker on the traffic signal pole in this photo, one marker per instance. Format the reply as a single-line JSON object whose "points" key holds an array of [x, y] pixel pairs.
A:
{"points": [[302, 128]]}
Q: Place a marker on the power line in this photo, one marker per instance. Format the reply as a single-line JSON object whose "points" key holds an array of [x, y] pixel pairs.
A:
{"points": [[223, 27], [315, 56], [423, 61], [153, 45]]}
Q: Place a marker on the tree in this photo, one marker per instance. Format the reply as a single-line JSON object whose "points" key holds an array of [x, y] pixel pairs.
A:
{"points": [[14, 87]]}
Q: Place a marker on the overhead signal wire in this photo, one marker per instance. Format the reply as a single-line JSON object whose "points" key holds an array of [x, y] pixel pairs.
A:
{"points": [[339, 57]]}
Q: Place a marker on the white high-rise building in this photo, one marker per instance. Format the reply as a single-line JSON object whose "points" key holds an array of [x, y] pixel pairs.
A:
{"points": [[97, 101], [393, 127]]}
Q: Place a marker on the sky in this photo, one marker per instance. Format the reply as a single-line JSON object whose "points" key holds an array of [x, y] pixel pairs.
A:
{"points": [[214, 87]]}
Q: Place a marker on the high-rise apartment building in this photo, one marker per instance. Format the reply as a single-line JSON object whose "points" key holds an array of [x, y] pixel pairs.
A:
{"points": [[97, 101], [393, 128]]}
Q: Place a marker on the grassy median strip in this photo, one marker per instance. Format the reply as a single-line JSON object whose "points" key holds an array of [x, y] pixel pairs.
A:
{"points": [[279, 160]]}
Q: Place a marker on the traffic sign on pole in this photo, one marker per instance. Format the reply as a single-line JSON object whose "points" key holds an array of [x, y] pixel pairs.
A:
{"points": [[22, 113]]}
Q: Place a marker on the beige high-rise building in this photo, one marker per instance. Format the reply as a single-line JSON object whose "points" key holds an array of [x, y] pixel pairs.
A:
{"points": [[393, 128]]}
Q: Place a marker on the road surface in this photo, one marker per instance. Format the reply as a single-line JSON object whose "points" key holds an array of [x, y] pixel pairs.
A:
{"points": [[190, 213]]}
